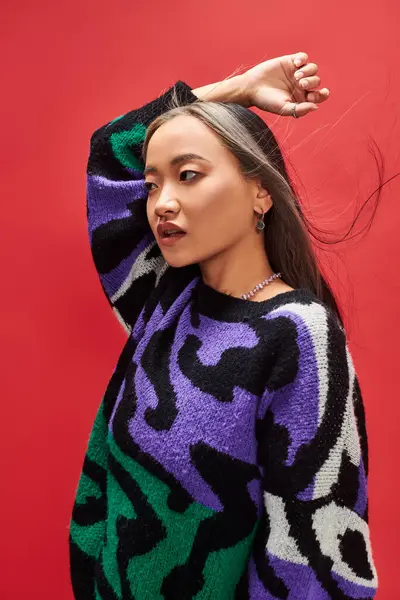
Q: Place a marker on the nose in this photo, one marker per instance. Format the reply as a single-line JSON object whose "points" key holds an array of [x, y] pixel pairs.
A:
{"points": [[166, 206]]}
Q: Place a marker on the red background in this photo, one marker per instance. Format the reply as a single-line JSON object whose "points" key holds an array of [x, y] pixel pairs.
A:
{"points": [[68, 67]]}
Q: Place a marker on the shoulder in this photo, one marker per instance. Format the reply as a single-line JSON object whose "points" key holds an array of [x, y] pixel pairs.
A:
{"points": [[303, 310], [310, 350], [303, 329]]}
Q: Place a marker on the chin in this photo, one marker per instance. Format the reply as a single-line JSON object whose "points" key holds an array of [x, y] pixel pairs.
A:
{"points": [[180, 259], [177, 263], [184, 257]]}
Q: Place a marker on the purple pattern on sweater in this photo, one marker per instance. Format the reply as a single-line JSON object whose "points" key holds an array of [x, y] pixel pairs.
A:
{"points": [[217, 336], [299, 402], [362, 499], [217, 424], [109, 199]]}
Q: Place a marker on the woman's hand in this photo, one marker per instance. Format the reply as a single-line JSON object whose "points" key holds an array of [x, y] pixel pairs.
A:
{"points": [[274, 85]]}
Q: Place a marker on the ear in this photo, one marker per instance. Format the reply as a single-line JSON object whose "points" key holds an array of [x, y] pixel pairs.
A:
{"points": [[263, 200]]}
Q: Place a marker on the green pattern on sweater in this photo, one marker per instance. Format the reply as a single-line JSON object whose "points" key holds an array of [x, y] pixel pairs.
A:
{"points": [[122, 142]]}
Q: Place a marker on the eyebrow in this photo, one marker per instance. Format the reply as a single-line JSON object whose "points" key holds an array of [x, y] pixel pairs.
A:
{"points": [[181, 158]]}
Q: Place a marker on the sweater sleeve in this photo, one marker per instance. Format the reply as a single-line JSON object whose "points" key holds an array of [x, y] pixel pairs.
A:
{"points": [[126, 256], [314, 458]]}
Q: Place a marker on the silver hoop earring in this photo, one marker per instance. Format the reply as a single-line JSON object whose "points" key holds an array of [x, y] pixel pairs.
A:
{"points": [[260, 223]]}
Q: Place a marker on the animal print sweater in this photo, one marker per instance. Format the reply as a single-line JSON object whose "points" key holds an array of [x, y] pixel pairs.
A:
{"points": [[228, 459]]}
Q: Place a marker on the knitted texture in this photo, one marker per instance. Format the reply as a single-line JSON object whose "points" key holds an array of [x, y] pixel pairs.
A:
{"points": [[228, 459]]}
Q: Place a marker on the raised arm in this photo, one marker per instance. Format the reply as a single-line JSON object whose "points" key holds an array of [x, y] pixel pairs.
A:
{"points": [[128, 261]]}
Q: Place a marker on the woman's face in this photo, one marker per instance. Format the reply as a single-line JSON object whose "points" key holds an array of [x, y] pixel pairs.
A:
{"points": [[207, 197]]}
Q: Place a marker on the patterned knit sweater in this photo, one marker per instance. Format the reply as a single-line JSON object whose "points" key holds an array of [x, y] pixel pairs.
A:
{"points": [[228, 459]]}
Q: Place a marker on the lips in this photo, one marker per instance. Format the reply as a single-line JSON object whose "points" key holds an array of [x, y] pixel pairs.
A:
{"points": [[169, 230], [169, 234]]}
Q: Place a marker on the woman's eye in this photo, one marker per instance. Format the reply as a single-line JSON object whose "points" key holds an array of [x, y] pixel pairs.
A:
{"points": [[148, 184], [188, 171]]}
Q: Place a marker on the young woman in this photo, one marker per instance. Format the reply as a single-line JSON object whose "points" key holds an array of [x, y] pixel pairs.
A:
{"points": [[229, 458]]}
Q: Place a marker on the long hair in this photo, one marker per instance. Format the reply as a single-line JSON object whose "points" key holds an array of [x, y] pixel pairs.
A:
{"points": [[287, 233]]}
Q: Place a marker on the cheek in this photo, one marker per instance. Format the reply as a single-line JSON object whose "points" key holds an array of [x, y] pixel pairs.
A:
{"points": [[150, 215], [222, 205]]}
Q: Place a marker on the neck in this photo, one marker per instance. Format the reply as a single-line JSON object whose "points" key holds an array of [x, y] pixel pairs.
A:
{"points": [[238, 269]]}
